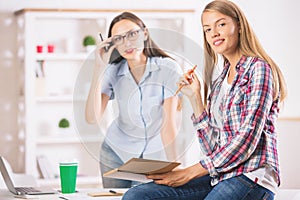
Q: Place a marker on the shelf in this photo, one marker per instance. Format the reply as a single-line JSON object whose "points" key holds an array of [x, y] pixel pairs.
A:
{"points": [[55, 99], [58, 99], [61, 56], [67, 10], [67, 139]]}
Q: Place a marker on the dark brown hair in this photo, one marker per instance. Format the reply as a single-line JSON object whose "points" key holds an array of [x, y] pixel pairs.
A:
{"points": [[151, 49]]}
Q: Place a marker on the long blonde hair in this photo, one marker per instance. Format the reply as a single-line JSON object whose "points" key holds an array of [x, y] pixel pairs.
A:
{"points": [[249, 45]]}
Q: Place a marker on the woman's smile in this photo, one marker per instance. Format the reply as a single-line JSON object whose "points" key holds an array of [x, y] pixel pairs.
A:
{"points": [[218, 42]]}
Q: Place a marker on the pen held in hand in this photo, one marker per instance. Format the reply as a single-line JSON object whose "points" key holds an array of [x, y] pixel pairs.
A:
{"points": [[101, 38], [189, 73], [178, 90]]}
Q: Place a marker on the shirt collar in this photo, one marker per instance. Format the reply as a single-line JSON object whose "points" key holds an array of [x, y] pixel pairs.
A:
{"points": [[242, 65], [123, 68]]}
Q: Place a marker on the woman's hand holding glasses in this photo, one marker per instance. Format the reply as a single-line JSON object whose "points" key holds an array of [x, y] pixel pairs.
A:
{"points": [[104, 50], [106, 47]]}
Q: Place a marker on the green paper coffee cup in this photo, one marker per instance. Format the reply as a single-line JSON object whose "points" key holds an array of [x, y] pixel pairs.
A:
{"points": [[68, 175]]}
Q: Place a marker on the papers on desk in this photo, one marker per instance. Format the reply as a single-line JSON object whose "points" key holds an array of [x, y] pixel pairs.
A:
{"points": [[106, 194], [137, 168], [87, 194]]}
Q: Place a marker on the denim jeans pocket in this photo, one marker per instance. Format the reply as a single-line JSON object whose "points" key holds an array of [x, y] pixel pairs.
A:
{"points": [[246, 181], [266, 196]]}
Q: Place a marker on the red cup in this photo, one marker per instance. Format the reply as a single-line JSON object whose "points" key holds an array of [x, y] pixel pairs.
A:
{"points": [[39, 48], [50, 48]]}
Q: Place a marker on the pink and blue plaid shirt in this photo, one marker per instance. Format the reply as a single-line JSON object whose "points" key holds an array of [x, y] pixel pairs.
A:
{"points": [[247, 140]]}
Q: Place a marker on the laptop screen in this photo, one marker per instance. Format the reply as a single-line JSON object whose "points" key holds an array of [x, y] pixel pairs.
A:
{"points": [[6, 177]]}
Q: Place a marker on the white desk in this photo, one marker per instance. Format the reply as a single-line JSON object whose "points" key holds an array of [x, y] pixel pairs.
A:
{"points": [[81, 195]]}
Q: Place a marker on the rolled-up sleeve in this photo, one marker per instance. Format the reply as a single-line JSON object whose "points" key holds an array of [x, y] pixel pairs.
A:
{"points": [[207, 138]]}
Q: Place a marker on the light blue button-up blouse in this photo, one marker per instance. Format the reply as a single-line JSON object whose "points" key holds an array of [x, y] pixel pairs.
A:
{"points": [[136, 130]]}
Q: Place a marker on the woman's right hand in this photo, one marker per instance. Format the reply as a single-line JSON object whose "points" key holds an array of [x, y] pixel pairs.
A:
{"points": [[190, 84], [104, 51]]}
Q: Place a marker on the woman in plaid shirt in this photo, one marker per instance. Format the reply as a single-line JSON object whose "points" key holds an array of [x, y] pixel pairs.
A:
{"points": [[234, 123]]}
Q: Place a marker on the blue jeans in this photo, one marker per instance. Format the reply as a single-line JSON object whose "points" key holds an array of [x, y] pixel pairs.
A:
{"points": [[236, 188], [110, 160]]}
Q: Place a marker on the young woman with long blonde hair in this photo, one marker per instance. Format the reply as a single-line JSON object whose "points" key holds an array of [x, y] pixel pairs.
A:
{"points": [[235, 120]]}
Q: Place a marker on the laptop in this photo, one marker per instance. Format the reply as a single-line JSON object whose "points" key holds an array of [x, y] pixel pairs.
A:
{"points": [[20, 190]]}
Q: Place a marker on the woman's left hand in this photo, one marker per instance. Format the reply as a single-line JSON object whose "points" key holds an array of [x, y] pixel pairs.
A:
{"points": [[173, 179], [179, 177]]}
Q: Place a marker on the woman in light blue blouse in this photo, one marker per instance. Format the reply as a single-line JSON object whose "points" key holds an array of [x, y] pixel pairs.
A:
{"points": [[142, 79]]}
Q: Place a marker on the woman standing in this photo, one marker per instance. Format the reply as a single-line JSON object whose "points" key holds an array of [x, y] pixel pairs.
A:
{"points": [[142, 78]]}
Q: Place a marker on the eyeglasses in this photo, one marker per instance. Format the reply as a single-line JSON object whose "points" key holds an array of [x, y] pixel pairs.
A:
{"points": [[130, 35]]}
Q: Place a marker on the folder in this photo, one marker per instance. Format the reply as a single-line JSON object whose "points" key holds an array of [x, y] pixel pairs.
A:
{"points": [[136, 169]]}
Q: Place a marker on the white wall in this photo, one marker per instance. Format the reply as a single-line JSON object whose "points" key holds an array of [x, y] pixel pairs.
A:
{"points": [[275, 23]]}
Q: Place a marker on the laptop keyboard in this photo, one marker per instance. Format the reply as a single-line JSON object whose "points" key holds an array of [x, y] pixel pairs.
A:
{"points": [[27, 189]]}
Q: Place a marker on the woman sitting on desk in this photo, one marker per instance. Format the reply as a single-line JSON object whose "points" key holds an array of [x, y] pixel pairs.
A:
{"points": [[236, 126], [142, 78]]}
